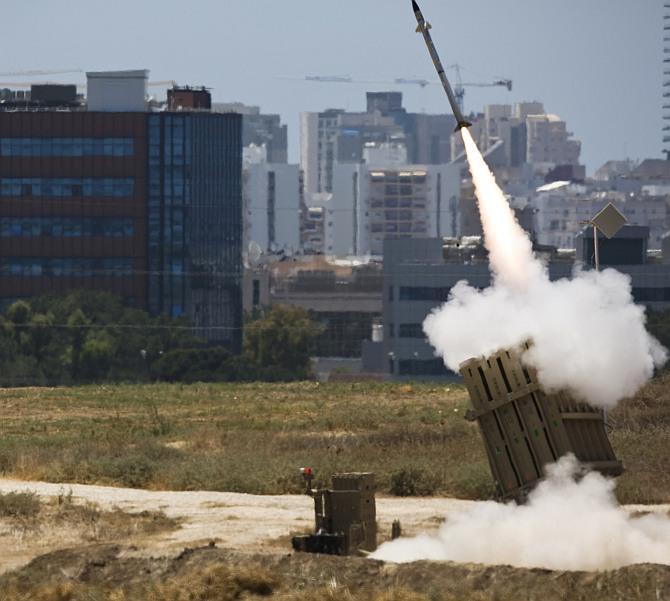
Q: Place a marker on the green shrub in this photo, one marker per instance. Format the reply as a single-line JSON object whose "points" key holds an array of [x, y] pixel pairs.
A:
{"points": [[412, 482], [193, 365]]}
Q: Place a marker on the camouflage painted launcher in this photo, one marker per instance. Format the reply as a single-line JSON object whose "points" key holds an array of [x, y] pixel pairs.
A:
{"points": [[524, 428], [345, 517]]}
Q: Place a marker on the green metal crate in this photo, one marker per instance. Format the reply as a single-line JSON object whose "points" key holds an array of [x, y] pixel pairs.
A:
{"points": [[524, 428]]}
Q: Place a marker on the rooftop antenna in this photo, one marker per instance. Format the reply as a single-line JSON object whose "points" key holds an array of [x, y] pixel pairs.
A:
{"points": [[609, 221]]}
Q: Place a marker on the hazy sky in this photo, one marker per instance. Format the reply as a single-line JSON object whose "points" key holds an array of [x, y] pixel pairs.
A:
{"points": [[596, 63]]}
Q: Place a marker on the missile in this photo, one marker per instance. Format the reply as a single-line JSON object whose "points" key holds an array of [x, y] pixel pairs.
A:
{"points": [[424, 28]]}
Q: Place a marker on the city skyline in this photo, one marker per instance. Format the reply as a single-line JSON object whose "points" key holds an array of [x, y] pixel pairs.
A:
{"points": [[597, 66]]}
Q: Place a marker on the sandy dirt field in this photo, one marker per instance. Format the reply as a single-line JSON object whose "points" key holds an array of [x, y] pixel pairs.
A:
{"points": [[261, 524], [235, 521]]}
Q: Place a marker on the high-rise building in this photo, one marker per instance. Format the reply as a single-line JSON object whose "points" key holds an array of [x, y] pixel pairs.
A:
{"points": [[335, 136], [259, 129], [419, 276], [514, 135], [312, 224], [371, 203], [271, 197], [144, 205], [73, 203], [195, 220], [562, 208], [549, 142]]}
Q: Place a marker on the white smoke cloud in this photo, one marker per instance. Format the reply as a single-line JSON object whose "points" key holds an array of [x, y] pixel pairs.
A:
{"points": [[589, 337], [565, 525]]}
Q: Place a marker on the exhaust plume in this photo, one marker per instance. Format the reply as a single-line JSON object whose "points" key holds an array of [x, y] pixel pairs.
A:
{"points": [[567, 524], [589, 337], [510, 249]]}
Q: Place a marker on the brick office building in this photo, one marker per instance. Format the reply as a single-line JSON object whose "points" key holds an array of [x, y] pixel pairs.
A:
{"points": [[144, 205], [73, 203]]}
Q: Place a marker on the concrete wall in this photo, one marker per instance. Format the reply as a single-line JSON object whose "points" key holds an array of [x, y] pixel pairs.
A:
{"points": [[117, 91]]}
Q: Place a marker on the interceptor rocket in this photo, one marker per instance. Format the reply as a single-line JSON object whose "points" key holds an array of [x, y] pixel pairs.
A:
{"points": [[424, 28]]}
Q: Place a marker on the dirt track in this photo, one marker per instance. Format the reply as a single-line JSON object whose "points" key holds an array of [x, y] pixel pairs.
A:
{"points": [[234, 521]]}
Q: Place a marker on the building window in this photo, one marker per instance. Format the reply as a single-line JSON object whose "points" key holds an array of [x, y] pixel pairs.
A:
{"points": [[65, 267], [66, 227], [411, 330], [390, 293], [256, 295], [651, 295], [424, 293], [422, 367], [37, 187], [66, 147]]}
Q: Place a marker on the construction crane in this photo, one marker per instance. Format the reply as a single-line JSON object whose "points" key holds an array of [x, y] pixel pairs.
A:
{"points": [[80, 86], [459, 87], [39, 73]]}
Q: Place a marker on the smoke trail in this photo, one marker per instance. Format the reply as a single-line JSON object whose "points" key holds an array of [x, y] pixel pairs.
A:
{"points": [[589, 337], [510, 250], [566, 525]]}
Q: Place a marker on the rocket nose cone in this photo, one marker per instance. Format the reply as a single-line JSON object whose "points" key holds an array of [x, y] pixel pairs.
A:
{"points": [[415, 7]]}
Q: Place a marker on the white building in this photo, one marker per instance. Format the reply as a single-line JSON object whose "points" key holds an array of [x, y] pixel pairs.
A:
{"points": [[271, 197], [117, 91], [387, 154], [312, 224], [318, 145], [335, 136], [562, 208], [370, 203], [513, 135], [549, 142]]}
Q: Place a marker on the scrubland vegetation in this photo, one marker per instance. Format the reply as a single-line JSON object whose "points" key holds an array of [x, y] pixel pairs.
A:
{"points": [[253, 437]]}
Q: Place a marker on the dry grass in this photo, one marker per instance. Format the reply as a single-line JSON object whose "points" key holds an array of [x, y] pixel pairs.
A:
{"points": [[26, 513], [206, 578], [19, 505], [253, 437], [641, 437], [211, 583], [243, 438]]}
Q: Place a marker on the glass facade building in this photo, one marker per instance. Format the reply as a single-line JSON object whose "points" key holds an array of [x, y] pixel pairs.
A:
{"points": [[195, 221]]}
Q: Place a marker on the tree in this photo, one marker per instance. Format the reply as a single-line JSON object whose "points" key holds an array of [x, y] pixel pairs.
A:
{"points": [[18, 315], [76, 323], [96, 355], [194, 365], [39, 335], [283, 340]]}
